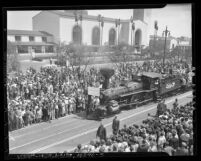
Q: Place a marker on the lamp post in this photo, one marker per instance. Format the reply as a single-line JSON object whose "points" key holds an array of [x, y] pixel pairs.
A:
{"points": [[165, 32]]}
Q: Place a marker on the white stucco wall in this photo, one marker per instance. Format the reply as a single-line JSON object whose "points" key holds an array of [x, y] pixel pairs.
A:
{"points": [[143, 27], [25, 38], [11, 38], [173, 41], [66, 28], [46, 21], [106, 29], [38, 39]]}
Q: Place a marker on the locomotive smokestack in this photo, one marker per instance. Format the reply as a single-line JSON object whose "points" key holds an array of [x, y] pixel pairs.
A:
{"points": [[107, 73]]}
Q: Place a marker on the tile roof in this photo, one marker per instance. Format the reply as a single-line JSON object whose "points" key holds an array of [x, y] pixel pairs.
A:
{"points": [[71, 14], [33, 43], [28, 32]]}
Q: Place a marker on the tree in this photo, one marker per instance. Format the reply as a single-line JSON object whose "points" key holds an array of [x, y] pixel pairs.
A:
{"points": [[12, 58], [121, 58], [79, 57]]}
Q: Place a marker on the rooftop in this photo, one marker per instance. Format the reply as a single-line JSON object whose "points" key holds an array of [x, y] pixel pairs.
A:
{"points": [[28, 32], [152, 74]]}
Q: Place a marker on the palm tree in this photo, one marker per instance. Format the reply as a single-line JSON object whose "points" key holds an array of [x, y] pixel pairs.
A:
{"points": [[131, 20], [116, 24], [80, 18], [119, 22], [102, 24], [76, 16], [99, 23]]}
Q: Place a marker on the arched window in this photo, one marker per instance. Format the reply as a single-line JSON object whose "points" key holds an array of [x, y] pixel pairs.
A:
{"points": [[112, 36], [77, 34], [96, 36], [138, 37]]}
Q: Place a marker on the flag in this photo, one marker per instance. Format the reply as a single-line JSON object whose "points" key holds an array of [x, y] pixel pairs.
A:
{"points": [[133, 26]]}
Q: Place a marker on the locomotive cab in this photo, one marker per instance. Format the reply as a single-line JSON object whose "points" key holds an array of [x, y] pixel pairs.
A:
{"points": [[150, 80]]}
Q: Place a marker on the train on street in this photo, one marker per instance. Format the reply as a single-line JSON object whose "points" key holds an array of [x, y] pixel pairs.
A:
{"points": [[142, 89]]}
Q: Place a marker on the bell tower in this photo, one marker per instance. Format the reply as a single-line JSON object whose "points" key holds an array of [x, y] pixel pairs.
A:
{"points": [[143, 15]]}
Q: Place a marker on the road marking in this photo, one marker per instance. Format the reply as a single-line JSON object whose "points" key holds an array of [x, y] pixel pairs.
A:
{"points": [[94, 129], [37, 124], [44, 138]]}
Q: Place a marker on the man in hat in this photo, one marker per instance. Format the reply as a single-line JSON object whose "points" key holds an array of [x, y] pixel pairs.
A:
{"points": [[159, 108], [182, 150], [101, 132], [115, 125]]}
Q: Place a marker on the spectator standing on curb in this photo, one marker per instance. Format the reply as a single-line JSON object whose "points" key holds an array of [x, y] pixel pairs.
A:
{"points": [[115, 125]]}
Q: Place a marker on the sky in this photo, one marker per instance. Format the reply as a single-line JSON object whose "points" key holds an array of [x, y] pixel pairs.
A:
{"points": [[176, 17]]}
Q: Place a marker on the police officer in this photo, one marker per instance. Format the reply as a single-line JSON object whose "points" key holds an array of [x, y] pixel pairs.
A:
{"points": [[159, 108], [101, 132], [115, 125]]}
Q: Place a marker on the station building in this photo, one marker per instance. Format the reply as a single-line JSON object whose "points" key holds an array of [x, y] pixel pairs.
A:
{"points": [[69, 26], [53, 27]]}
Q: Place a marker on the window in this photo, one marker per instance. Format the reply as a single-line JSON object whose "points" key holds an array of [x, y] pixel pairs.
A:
{"points": [[17, 38], [96, 36], [77, 34], [37, 49], [112, 36], [22, 49], [31, 38], [44, 39], [49, 49]]}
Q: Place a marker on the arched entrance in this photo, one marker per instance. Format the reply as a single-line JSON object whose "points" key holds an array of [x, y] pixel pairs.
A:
{"points": [[138, 37], [96, 36], [77, 34], [112, 36]]}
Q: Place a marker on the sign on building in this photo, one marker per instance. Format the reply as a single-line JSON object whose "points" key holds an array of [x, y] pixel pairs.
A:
{"points": [[94, 91]]}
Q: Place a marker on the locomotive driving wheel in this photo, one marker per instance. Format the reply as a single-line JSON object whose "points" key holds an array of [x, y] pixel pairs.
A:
{"points": [[134, 99]]}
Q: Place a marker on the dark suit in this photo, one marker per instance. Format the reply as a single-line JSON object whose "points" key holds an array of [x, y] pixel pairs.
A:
{"points": [[115, 126], [101, 133]]}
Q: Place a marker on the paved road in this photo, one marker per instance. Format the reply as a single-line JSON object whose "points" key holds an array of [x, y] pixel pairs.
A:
{"points": [[65, 133]]}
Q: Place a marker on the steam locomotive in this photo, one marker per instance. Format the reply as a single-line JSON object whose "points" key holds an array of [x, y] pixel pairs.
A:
{"points": [[149, 86]]}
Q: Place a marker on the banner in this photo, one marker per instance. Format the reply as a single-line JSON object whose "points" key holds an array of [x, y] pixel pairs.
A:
{"points": [[94, 91]]}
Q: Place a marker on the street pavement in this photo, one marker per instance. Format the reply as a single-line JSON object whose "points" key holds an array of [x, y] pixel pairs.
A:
{"points": [[65, 133]]}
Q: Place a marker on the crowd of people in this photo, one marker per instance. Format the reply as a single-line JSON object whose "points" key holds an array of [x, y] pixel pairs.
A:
{"points": [[170, 131], [52, 93]]}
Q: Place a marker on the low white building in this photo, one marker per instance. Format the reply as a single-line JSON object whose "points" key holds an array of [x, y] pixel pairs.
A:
{"points": [[27, 41], [89, 31]]}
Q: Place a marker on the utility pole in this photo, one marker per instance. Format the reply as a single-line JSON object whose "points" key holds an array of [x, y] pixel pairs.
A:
{"points": [[155, 35], [165, 32]]}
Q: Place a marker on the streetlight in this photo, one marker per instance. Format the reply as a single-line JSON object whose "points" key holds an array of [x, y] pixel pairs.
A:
{"points": [[165, 32]]}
